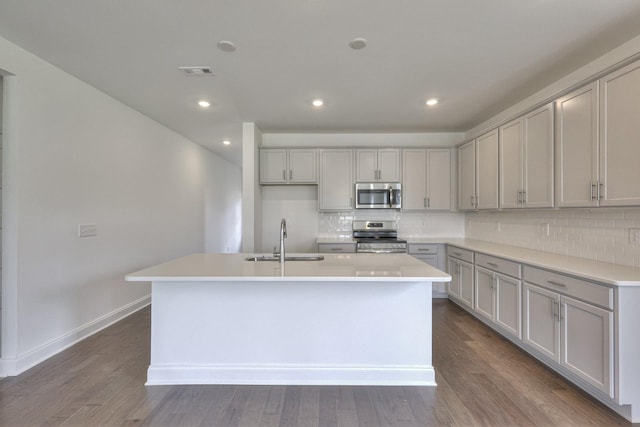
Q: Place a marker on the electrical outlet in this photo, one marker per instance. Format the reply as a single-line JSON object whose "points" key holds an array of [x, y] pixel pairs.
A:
{"points": [[87, 230], [634, 236]]}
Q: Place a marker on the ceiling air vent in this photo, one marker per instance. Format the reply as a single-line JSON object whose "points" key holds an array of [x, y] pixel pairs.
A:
{"points": [[197, 71]]}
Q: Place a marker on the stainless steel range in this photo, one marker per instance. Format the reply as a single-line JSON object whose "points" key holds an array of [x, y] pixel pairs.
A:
{"points": [[380, 237]]}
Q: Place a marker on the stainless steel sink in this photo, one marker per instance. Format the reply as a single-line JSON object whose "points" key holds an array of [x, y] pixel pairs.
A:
{"points": [[289, 258]]}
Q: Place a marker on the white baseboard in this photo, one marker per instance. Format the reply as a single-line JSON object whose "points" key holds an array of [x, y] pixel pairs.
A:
{"points": [[12, 367], [290, 375]]}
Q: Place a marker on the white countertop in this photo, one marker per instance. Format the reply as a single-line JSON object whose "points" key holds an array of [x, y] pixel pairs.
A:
{"points": [[604, 272], [334, 267]]}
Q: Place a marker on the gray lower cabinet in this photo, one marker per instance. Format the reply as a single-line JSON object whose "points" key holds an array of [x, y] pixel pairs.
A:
{"points": [[461, 285], [432, 254], [347, 247], [497, 293], [577, 335]]}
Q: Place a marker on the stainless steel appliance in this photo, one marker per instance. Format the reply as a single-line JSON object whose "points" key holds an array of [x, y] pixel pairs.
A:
{"points": [[378, 237], [378, 195]]}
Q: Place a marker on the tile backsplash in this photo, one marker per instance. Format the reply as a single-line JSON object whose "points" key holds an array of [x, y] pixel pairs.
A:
{"points": [[410, 224], [598, 234]]}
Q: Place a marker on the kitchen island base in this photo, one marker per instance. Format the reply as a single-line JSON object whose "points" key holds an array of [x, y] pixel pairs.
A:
{"points": [[373, 332]]}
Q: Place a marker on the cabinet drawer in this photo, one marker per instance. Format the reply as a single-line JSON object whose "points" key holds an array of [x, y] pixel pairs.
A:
{"points": [[593, 293], [500, 265], [463, 254], [336, 247], [423, 249]]}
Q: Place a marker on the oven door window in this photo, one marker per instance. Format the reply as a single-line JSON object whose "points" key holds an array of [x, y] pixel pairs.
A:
{"points": [[373, 197]]}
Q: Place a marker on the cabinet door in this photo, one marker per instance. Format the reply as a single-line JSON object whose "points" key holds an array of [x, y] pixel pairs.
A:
{"points": [[587, 342], [454, 272], [438, 179], [538, 158], [540, 321], [577, 147], [484, 293], [273, 166], [467, 176], [439, 289], [366, 165], [302, 166], [466, 283], [414, 179], [487, 170], [389, 165], [511, 159], [335, 190], [507, 304], [619, 144]]}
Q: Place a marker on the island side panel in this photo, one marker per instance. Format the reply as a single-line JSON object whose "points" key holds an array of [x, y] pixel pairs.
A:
{"points": [[352, 332]]}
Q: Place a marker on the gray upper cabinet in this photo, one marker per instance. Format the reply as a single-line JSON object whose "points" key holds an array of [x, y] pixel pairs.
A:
{"points": [[378, 165], [487, 171], [467, 176], [619, 180], [335, 190], [288, 166], [526, 160], [426, 179], [597, 142], [577, 148]]}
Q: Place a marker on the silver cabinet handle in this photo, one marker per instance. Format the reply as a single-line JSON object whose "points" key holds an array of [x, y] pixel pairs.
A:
{"points": [[524, 197], [425, 202], [554, 310], [284, 174], [457, 253], [551, 282], [600, 190], [428, 202], [593, 184], [424, 249], [290, 174], [337, 249], [519, 197], [493, 264], [472, 201]]}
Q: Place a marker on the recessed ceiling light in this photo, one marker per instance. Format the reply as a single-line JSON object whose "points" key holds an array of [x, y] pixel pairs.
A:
{"points": [[204, 104], [317, 102], [226, 142], [358, 43], [226, 46], [432, 101]]}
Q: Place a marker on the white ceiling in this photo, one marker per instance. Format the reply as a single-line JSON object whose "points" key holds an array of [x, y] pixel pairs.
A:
{"points": [[477, 57]]}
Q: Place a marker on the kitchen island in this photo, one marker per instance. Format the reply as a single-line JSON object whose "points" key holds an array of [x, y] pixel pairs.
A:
{"points": [[349, 319]]}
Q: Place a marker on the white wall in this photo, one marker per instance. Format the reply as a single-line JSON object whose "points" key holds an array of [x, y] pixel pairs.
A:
{"points": [[74, 155]]}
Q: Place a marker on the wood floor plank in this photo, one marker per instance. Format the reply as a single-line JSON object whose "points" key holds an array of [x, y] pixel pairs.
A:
{"points": [[483, 380]]}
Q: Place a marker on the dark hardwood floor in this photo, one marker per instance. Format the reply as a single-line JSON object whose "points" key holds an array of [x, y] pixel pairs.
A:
{"points": [[482, 380]]}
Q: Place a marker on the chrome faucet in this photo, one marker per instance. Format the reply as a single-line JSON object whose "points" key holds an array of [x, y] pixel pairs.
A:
{"points": [[283, 235]]}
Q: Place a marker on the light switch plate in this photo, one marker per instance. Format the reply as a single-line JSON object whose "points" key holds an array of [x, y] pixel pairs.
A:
{"points": [[87, 230]]}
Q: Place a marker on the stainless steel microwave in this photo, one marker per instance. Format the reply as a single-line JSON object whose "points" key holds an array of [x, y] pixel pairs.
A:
{"points": [[378, 195]]}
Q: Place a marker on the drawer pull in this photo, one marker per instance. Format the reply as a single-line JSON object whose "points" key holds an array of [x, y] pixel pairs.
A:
{"points": [[424, 250], [337, 249], [493, 264], [551, 282], [457, 253]]}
